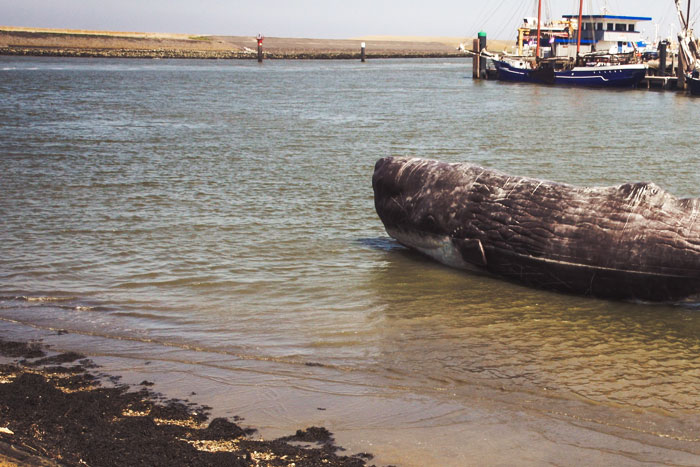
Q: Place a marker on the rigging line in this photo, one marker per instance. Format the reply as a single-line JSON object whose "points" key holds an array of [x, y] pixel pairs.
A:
{"points": [[477, 18], [495, 10], [663, 20], [510, 22], [498, 7], [515, 14], [504, 26], [693, 16], [487, 16]]}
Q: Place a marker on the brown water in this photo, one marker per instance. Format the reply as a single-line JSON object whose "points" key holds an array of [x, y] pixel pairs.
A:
{"points": [[210, 225]]}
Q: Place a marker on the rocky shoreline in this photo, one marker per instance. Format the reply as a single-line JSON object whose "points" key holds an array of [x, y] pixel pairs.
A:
{"points": [[211, 55], [68, 43], [58, 409]]}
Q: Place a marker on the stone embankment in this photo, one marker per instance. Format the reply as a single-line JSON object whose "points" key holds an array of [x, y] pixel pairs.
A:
{"points": [[69, 43], [207, 54]]}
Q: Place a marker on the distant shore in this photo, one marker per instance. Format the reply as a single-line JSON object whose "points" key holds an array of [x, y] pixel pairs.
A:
{"points": [[112, 44]]}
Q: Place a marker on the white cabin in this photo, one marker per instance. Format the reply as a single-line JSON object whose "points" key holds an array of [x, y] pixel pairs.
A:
{"points": [[604, 33]]}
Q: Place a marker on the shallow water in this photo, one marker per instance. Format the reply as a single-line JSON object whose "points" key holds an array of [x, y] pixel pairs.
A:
{"points": [[215, 218]]}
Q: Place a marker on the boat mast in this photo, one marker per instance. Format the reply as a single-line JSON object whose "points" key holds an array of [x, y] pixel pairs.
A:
{"points": [[580, 28], [539, 15], [684, 21]]}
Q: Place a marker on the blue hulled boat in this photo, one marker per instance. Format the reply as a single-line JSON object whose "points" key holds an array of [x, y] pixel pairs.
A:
{"points": [[579, 50], [559, 72]]}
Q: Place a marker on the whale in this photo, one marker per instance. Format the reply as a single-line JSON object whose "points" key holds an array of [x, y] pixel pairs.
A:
{"points": [[633, 241]]}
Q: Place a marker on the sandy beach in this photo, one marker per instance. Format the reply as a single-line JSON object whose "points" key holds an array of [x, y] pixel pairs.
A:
{"points": [[81, 43]]}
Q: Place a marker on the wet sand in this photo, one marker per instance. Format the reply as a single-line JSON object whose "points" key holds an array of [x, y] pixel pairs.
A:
{"points": [[65, 42], [60, 410]]}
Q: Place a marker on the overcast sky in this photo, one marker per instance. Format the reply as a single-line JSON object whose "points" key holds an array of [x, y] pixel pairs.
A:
{"points": [[318, 18]]}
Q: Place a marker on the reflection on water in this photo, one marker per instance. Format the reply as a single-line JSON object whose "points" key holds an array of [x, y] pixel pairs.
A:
{"points": [[490, 331], [217, 217]]}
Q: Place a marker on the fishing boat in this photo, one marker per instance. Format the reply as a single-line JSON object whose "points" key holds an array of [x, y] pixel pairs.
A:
{"points": [[555, 71], [612, 65], [688, 51]]}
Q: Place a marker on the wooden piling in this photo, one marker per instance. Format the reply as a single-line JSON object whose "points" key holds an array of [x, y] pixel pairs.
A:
{"points": [[662, 58], [362, 52], [482, 60], [476, 62], [680, 72]]}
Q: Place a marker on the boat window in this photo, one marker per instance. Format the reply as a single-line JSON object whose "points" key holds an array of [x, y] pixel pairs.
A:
{"points": [[611, 26], [599, 26], [620, 27], [630, 27]]}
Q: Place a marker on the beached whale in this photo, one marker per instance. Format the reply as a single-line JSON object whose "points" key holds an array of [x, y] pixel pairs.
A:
{"points": [[632, 241]]}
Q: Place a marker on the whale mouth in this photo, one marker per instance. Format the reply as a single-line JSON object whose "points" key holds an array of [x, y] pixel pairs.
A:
{"points": [[441, 248]]}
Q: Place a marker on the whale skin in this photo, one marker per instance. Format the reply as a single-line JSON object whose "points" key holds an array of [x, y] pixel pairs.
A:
{"points": [[632, 241]]}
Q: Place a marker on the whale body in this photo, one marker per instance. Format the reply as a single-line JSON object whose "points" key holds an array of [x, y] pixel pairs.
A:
{"points": [[632, 241]]}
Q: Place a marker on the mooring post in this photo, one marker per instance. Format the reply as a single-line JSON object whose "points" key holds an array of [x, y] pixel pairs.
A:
{"points": [[662, 58], [260, 41], [680, 72], [475, 59], [362, 52], [482, 59]]}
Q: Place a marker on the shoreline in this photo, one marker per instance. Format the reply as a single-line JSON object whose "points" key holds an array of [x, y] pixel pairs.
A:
{"points": [[203, 55], [16, 41], [58, 408]]}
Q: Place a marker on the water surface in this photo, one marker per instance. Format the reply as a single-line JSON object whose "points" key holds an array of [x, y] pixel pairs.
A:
{"points": [[215, 218]]}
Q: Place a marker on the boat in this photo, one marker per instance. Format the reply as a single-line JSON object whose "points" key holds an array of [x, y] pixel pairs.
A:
{"points": [[554, 71], [613, 64], [693, 82], [688, 51], [633, 241]]}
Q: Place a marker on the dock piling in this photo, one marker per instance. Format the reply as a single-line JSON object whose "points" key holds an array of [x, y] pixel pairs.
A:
{"points": [[482, 59], [362, 52], [662, 58], [475, 59], [680, 72]]}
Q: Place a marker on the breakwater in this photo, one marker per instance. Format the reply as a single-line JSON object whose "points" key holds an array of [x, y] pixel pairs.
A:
{"points": [[70, 43], [206, 54]]}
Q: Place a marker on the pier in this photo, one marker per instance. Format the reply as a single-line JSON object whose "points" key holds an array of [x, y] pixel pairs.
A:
{"points": [[666, 83]]}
